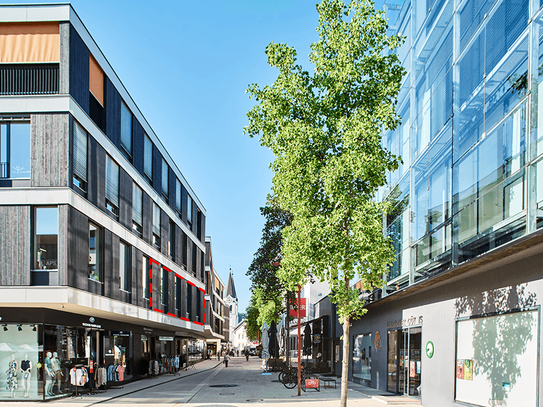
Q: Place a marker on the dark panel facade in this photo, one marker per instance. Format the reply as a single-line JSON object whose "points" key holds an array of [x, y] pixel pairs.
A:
{"points": [[147, 218], [172, 178], [96, 174], [137, 277], [15, 246], [138, 136], [63, 217], [79, 70], [77, 249], [125, 199], [184, 198], [164, 235], [113, 114], [50, 157], [178, 246], [157, 170], [112, 287]]}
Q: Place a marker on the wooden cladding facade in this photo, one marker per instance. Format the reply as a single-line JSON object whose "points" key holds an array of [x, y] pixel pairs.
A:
{"points": [[15, 246]]}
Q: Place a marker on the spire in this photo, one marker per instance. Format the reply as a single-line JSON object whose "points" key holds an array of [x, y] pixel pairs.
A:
{"points": [[230, 287]]}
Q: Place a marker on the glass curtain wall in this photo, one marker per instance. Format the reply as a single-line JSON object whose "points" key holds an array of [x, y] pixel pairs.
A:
{"points": [[470, 138]]}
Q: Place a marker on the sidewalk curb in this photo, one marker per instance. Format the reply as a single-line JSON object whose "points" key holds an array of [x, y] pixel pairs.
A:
{"points": [[155, 385]]}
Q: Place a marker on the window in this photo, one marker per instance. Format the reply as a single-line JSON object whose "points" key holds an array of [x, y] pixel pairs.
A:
{"points": [[14, 150], [94, 253], [137, 209], [45, 238], [178, 197], [165, 180], [189, 301], [112, 186], [194, 254], [164, 287], [362, 359], [126, 129], [171, 240], [148, 158], [177, 293], [80, 142], [156, 226], [189, 209], [146, 278], [124, 266]]}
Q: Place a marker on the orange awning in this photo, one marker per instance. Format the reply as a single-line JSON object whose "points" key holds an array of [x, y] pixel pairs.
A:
{"points": [[29, 42]]}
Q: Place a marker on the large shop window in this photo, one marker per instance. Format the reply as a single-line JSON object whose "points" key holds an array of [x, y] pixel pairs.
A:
{"points": [[45, 246], [362, 359], [496, 360], [14, 150], [19, 355]]}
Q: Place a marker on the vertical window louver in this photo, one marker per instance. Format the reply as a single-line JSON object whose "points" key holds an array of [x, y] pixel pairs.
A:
{"points": [[137, 196], [156, 219], [80, 152], [165, 180], [178, 195], [148, 157], [112, 182]]}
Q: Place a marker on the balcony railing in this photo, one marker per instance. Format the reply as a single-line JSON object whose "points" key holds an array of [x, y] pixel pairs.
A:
{"points": [[29, 79]]}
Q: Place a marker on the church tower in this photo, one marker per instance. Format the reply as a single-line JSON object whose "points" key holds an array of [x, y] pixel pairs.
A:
{"points": [[231, 301]]}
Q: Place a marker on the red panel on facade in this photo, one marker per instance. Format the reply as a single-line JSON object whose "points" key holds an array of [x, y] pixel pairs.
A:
{"points": [[294, 313]]}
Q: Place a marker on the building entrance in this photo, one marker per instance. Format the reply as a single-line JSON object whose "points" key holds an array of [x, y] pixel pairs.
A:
{"points": [[404, 361]]}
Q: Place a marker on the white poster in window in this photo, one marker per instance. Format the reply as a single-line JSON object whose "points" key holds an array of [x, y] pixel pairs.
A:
{"points": [[501, 356]]}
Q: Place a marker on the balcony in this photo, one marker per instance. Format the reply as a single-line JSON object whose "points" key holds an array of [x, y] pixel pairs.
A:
{"points": [[29, 79]]}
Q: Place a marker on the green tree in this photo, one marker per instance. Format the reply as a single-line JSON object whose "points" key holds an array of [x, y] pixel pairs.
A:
{"points": [[263, 268], [324, 129]]}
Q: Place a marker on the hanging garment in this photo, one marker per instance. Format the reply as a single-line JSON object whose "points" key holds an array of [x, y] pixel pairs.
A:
{"points": [[111, 373], [78, 376], [120, 373]]}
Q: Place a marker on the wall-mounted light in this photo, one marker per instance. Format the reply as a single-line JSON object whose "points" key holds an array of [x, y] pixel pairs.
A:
{"points": [[34, 328], [5, 327], [20, 327]]}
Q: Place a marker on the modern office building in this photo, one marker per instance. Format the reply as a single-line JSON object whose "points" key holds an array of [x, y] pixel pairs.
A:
{"points": [[101, 237], [459, 320]]}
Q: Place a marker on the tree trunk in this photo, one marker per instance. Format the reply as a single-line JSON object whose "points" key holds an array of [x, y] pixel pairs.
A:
{"points": [[345, 363]]}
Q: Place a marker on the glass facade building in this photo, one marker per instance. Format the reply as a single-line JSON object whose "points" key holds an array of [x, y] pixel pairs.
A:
{"points": [[471, 135]]}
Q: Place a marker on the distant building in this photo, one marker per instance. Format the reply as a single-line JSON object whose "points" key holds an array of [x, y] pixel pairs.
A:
{"points": [[240, 341], [231, 301]]}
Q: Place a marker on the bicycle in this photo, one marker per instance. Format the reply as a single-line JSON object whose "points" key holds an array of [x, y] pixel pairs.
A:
{"points": [[289, 376]]}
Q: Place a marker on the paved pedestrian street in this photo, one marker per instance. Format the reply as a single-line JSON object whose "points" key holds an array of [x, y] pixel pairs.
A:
{"points": [[211, 384]]}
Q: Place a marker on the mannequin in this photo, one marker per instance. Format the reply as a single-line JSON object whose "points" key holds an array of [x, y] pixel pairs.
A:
{"points": [[11, 375], [57, 372], [48, 375], [26, 370]]}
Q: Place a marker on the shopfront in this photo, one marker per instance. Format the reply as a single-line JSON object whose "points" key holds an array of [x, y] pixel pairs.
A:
{"points": [[49, 354]]}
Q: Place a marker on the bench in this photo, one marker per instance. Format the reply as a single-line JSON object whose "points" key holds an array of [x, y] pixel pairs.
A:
{"points": [[327, 381]]}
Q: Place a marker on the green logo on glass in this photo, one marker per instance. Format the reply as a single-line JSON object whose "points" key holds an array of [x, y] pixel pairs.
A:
{"points": [[429, 349]]}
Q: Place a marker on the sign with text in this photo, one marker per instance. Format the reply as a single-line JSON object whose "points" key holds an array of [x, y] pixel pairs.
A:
{"points": [[294, 312]]}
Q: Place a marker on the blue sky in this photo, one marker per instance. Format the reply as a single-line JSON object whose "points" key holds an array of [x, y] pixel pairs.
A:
{"points": [[187, 65]]}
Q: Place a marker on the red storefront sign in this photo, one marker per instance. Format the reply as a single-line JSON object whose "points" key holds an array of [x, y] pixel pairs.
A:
{"points": [[294, 313]]}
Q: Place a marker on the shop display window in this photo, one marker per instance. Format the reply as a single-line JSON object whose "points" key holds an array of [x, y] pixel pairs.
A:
{"points": [[20, 362], [496, 360], [362, 359]]}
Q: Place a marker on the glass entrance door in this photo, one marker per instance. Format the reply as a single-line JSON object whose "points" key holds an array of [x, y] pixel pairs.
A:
{"points": [[404, 361]]}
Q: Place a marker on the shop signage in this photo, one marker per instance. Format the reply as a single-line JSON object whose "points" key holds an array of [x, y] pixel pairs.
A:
{"points": [[402, 323], [430, 349], [148, 330], [317, 338], [120, 333], [165, 338], [91, 325], [377, 341], [293, 309]]}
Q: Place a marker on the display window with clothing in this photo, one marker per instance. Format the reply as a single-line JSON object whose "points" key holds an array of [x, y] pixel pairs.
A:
{"points": [[19, 356]]}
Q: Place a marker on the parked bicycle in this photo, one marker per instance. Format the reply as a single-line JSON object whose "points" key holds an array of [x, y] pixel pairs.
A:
{"points": [[289, 376]]}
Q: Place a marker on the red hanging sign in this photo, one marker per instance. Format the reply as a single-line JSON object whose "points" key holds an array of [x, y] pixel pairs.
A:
{"points": [[294, 313]]}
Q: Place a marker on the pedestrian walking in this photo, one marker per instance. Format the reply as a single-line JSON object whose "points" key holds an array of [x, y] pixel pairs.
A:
{"points": [[226, 357]]}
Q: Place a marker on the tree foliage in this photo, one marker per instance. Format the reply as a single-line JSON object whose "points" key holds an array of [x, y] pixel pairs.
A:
{"points": [[324, 129]]}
